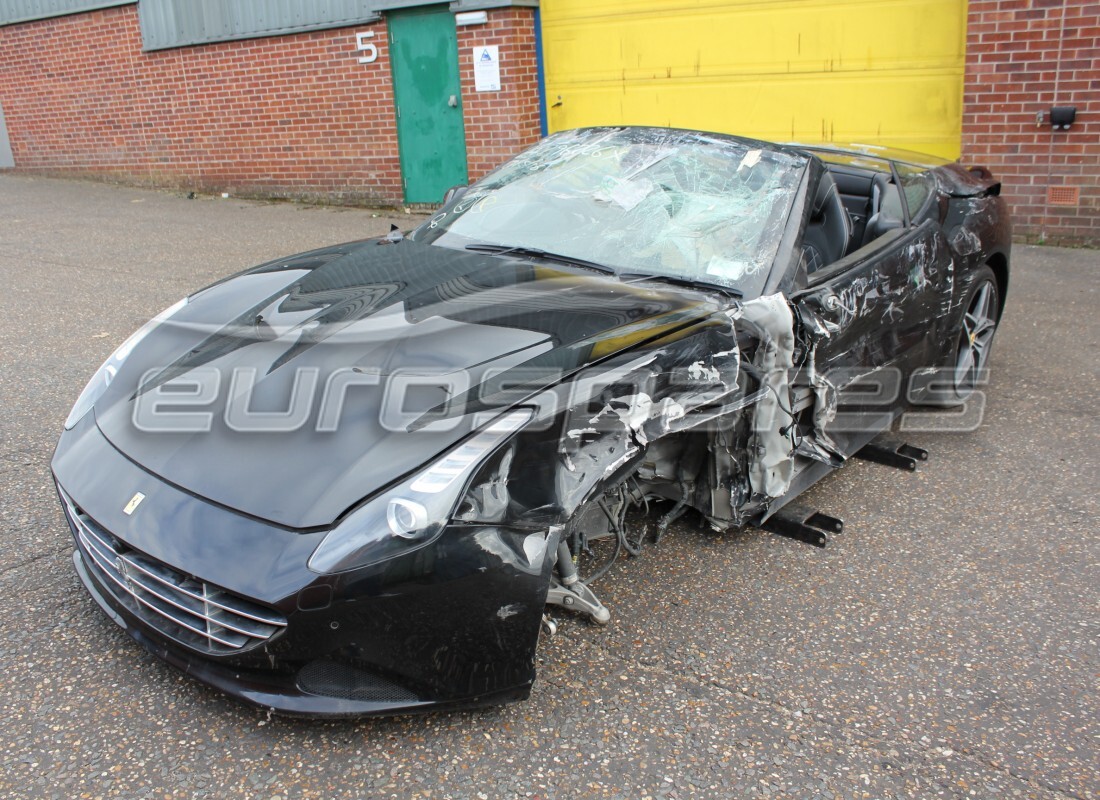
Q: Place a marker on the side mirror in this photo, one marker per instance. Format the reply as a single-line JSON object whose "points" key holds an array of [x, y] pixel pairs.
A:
{"points": [[454, 193]]}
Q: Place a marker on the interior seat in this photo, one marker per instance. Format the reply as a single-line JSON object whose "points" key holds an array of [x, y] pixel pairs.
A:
{"points": [[886, 213], [826, 236]]}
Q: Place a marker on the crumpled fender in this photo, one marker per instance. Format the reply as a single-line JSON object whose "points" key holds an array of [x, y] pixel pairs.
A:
{"points": [[677, 384]]}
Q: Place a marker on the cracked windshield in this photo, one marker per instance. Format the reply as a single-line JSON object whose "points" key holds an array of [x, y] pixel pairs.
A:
{"points": [[642, 201]]}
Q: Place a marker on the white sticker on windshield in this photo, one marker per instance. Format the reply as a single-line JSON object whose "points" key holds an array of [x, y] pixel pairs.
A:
{"points": [[728, 269], [751, 159], [626, 194]]}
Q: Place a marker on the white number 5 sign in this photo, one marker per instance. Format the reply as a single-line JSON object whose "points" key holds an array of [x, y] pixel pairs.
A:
{"points": [[366, 47]]}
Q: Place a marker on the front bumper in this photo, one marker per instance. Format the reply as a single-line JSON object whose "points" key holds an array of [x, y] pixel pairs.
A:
{"points": [[279, 692], [454, 625]]}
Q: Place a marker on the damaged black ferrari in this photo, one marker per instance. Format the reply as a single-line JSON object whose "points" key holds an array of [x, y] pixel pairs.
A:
{"points": [[357, 480]]}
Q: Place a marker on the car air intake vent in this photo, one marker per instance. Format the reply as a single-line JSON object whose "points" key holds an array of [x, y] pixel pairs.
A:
{"points": [[188, 610], [332, 679]]}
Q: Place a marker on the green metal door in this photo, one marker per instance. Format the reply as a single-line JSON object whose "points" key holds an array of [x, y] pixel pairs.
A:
{"points": [[430, 133]]}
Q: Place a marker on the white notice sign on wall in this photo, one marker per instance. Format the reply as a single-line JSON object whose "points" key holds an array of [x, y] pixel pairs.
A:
{"points": [[486, 68]]}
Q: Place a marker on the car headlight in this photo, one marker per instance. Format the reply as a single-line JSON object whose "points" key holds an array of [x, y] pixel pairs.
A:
{"points": [[412, 514], [106, 373]]}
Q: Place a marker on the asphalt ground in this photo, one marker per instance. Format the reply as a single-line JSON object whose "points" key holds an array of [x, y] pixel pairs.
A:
{"points": [[945, 645]]}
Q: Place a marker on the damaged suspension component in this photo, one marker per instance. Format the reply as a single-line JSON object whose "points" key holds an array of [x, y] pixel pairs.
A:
{"points": [[602, 518], [569, 591]]}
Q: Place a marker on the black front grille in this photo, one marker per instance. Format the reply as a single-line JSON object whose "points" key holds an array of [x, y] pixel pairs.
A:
{"points": [[332, 679], [184, 608]]}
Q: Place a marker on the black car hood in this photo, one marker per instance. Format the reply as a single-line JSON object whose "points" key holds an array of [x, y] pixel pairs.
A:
{"points": [[403, 309]]}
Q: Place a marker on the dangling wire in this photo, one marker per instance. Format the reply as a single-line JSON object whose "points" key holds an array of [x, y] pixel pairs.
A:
{"points": [[595, 576], [617, 523]]}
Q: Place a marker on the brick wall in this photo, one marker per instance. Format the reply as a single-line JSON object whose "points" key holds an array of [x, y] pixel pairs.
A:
{"points": [[1023, 56], [500, 124], [291, 116], [298, 116]]}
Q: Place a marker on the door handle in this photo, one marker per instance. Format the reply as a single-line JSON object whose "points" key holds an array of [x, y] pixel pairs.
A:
{"points": [[453, 101]]}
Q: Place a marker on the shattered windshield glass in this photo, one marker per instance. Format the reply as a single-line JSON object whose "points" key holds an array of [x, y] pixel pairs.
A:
{"points": [[640, 200]]}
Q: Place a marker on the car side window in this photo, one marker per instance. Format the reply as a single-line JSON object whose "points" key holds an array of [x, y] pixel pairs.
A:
{"points": [[917, 184]]}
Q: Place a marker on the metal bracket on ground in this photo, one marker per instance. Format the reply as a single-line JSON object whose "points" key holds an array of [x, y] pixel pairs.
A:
{"points": [[803, 525], [892, 453]]}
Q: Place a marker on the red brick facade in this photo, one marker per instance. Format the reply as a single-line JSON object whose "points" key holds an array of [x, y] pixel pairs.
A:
{"points": [[289, 116], [500, 124], [299, 116], [1024, 56]]}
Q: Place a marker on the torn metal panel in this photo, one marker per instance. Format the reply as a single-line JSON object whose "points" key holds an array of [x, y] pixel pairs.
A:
{"points": [[641, 418], [771, 466], [820, 446]]}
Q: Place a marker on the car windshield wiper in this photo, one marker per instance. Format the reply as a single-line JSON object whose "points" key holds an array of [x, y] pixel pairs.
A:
{"points": [[519, 250], [680, 280]]}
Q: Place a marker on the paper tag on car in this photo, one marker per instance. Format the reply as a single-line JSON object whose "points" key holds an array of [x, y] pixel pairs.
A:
{"points": [[627, 194], [727, 268]]}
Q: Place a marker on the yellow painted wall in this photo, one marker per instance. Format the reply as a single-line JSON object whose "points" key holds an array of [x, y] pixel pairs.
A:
{"points": [[863, 71]]}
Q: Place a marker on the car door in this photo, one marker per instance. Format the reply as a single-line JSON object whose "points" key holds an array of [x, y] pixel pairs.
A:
{"points": [[870, 319]]}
